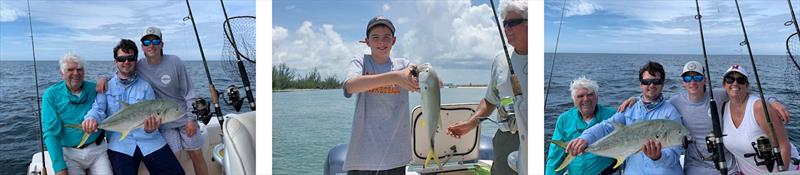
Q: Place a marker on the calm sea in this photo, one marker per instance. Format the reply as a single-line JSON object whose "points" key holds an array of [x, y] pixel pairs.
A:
{"points": [[617, 76], [19, 128], [306, 124]]}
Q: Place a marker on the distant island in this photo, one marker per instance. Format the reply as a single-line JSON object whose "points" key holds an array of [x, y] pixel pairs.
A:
{"points": [[286, 79]]}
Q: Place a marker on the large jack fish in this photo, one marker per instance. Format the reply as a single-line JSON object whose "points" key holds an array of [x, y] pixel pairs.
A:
{"points": [[431, 103], [627, 140], [131, 117]]}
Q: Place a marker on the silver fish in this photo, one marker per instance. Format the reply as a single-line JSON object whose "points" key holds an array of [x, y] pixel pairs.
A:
{"points": [[627, 140], [431, 103], [131, 117]]}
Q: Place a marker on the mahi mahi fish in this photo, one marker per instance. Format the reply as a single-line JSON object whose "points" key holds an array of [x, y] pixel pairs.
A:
{"points": [[431, 102], [627, 140], [131, 117]]}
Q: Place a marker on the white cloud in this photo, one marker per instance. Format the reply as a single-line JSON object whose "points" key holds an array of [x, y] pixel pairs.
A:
{"points": [[311, 47], [386, 7], [8, 14], [581, 7]]}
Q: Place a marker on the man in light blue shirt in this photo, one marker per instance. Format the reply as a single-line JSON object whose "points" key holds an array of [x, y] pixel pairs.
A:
{"points": [[143, 144], [653, 159]]}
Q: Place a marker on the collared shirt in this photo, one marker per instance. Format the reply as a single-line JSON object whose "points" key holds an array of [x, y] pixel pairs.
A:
{"points": [[107, 104], [569, 126], [61, 107], [639, 163]]}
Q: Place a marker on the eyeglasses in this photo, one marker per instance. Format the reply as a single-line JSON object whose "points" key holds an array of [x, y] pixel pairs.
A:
{"points": [[129, 58], [148, 42], [647, 82], [741, 80], [513, 22], [689, 78]]}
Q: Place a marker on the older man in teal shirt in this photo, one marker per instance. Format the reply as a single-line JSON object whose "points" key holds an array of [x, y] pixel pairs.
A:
{"points": [[572, 123], [65, 103]]}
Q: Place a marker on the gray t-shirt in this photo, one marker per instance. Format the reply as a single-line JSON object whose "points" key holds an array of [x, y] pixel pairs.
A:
{"points": [[169, 79], [380, 137], [697, 118]]}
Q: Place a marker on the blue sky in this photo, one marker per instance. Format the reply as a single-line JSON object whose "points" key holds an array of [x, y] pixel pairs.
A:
{"points": [[666, 27], [459, 37], [92, 28]]}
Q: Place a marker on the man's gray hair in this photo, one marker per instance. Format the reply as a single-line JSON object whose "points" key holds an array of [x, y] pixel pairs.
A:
{"points": [[519, 6], [583, 82], [70, 57]]}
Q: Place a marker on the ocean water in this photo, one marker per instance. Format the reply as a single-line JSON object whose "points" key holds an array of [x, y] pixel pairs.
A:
{"points": [[19, 128], [617, 77], [307, 124]]}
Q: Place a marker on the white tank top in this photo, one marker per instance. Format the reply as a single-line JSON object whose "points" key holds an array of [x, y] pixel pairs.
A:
{"points": [[739, 140]]}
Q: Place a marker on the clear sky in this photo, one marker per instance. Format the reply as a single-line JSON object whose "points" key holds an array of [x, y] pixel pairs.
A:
{"points": [[92, 28], [667, 26], [459, 37]]}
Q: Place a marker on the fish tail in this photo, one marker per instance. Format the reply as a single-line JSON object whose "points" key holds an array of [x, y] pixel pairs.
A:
{"points": [[124, 134], [83, 139], [566, 162]]}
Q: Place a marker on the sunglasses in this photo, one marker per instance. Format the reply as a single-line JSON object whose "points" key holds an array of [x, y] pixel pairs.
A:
{"points": [[129, 58], [513, 22], [741, 80], [148, 42], [689, 78], [647, 82]]}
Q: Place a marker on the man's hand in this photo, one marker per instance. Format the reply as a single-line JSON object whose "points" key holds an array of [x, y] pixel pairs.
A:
{"points": [[625, 104], [151, 123], [460, 128], [576, 147], [89, 125], [652, 149], [62, 172], [404, 79], [191, 128], [101, 84]]}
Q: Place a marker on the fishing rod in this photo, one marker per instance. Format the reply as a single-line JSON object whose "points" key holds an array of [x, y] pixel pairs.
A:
{"points": [[762, 142], [200, 105], [714, 142], [515, 87], [36, 80], [797, 31], [242, 72], [555, 52]]}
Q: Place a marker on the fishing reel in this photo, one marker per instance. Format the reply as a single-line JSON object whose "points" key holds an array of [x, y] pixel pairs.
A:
{"points": [[763, 150], [201, 110], [234, 98], [507, 117], [712, 146]]}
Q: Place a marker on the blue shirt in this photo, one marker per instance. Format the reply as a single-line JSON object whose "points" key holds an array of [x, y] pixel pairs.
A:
{"points": [[106, 104], [639, 163], [569, 126]]}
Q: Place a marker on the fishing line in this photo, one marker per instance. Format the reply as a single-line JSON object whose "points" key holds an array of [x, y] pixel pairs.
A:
{"points": [[776, 147], [715, 139], [555, 52], [36, 80]]}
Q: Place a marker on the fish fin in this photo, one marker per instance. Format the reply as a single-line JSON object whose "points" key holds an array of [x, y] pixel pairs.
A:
{"points": [[124, 105], [566, 162], [124, 134], [422, 124], [76, 126], [83, 139], [620, 160], [432, 156], [559, 143]]}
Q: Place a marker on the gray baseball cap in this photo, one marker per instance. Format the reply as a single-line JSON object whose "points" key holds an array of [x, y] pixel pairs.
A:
{"points": [[380, 20]]}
